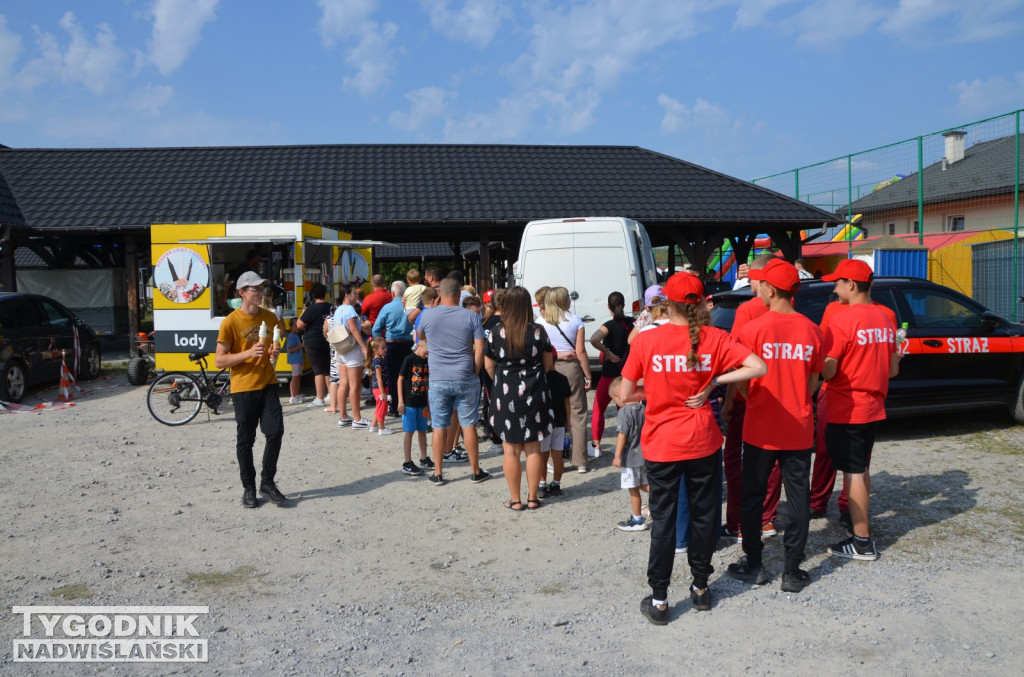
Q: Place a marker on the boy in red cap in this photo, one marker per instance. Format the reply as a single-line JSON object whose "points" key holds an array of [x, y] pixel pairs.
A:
{"points": [[680, 363], [860, 358], [779, 422]]}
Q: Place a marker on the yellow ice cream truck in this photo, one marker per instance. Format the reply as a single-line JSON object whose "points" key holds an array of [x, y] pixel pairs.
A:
{"points": [[195, 265]]}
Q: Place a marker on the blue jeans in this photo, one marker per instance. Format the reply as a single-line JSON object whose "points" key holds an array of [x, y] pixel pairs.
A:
{"points": [[448, 396]]}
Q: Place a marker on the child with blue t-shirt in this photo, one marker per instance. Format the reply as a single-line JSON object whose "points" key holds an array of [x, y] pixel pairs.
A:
{"points": [[296, 357]]}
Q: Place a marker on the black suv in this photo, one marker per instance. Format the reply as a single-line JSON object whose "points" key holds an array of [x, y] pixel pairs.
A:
{"points": [[34, 330], [959, 355]]}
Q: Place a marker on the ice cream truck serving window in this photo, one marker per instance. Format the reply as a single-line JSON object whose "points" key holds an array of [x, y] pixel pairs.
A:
{"points": [[195, 267]]}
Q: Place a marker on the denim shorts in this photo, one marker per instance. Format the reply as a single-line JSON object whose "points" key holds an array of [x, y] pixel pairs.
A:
{"points": [[461, 396], [414, 419]]}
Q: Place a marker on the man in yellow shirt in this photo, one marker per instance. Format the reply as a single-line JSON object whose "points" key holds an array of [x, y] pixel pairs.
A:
{"points": [[252, 362]]}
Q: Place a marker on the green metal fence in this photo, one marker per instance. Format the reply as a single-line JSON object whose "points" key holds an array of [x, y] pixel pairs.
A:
{"points": [[965, 179]]}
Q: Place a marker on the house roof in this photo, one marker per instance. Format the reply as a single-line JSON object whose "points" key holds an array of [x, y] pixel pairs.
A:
{"points": [[355, 187], [10, 214], [986, 169], [932, 242]]}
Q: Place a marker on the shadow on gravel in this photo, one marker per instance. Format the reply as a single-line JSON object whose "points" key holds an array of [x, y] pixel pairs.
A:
{"points": [[944, 425]]}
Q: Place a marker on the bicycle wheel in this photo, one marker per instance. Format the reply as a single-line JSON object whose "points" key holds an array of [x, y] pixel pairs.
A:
{"points": [[174, 398]]}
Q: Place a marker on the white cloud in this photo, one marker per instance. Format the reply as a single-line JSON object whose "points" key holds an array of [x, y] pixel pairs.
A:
{"points": [[508, 121], [476, 23], [702, 115], [10, 48], [427, 104], [710, 131], [828, 24], [754, 13], [996, 94], [151, 98], [94, 64], [177, 27], [373, 57]]}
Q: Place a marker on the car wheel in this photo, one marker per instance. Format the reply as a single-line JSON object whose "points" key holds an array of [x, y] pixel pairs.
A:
{"points": [[13, 380], [90, 367], [1017, 408]]}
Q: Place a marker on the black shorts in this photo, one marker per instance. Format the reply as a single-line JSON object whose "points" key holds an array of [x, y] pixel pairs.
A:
{"points": [[850, 445], [319, 358]]}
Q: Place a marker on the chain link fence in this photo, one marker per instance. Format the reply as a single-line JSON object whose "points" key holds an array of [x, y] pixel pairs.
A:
{"points": [[950, 191]]}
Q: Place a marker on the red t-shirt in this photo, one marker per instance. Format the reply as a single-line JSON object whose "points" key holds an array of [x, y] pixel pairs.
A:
{"points": [[672, 431], [862, 339], [373, 302], [837, 307], [745, 312], [779, 414]]}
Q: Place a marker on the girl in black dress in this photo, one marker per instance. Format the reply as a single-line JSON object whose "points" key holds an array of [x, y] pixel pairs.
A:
{"points": [[516, 355]]}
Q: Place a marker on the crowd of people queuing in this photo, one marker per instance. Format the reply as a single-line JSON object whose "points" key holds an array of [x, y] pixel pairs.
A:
{"points": [[444, 360]]}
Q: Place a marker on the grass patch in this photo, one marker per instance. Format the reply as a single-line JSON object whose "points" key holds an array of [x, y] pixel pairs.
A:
{"points": [[550, 589], [219, 580], [73, 591]]}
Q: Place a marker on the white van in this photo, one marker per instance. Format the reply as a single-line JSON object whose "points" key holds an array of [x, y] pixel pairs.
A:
{"points": [[591, 257]]}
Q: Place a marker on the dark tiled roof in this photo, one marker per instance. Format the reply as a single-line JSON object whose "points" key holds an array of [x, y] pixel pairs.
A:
{"points": [[986, 169], [415, 251], [10, 215], [355, 187]]}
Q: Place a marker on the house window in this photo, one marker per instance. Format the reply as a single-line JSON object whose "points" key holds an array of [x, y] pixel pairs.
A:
{"points": [[954, 223], [915, 227], [890, 229]]}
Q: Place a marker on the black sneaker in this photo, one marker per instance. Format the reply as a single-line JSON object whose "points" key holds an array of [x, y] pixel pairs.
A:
{"points": [[479, 477], [437, 480], [795, 581], [657, 614], [750, 573], [850, 550], [456, 456], [701, 599], [542, 491], [426, 463], [270, 490], [409, 468], [554, 489], [249, 498]]}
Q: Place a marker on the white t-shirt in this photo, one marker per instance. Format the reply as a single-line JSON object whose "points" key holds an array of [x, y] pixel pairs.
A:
{"points": [[570, 325]]}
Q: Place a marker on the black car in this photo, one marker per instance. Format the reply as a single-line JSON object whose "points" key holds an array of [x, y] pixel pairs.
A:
{"points": [[34, 331], [959, 355]]}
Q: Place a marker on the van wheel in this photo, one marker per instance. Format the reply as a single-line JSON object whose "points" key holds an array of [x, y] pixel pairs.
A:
{"points": [[13, 380], [1017, 408]]}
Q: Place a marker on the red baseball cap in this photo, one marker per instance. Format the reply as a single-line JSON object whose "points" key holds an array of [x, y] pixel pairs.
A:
{"points": [[684, 287], [851, 269], [488, 295], [779, 274]]}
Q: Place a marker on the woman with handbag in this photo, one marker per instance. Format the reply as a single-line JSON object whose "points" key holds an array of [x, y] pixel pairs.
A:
{"points": [[350, 355], [565, 333]]}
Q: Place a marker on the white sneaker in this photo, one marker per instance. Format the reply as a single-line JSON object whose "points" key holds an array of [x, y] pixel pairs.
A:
{"points": [[361, 424], [373, 428], [680, 551], [385, 431], [317, 402], [498, 449], [594, 450], [295, 400]]}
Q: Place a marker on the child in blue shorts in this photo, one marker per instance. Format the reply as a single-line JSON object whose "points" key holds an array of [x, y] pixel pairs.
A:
{"points": [[413, 380]]}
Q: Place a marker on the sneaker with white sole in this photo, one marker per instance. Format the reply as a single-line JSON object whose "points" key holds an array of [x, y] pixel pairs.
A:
{"points": [[850, 550], [316, 402], [373, 429], [594, 450], [385, 431], [768, 529], [495, 449], [427, 463], [361, 424], [681, 551], [631, 524], [730, 535], [344, 422], [295, 400], [409, 468]]}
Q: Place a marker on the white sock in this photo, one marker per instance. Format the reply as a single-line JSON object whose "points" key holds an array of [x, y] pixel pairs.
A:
{"points": [[658, 602], [638, 518]]}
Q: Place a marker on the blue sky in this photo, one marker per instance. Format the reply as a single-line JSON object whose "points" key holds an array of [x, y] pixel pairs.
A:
{"points": [[747, 87]]}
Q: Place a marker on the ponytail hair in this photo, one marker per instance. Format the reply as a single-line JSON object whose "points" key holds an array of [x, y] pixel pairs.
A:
{"points": [[617, 304], [371, 350], [697, 318]]}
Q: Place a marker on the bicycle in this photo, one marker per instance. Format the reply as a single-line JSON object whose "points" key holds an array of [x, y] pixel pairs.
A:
{"points": [[176, 397]]}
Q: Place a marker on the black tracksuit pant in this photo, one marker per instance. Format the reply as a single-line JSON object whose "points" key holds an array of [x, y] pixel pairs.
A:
{"points": [[258, 408], [796, 478], [703, 477]]}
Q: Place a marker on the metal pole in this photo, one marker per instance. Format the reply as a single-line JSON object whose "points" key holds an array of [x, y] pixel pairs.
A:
{"points": [[1016, 217], [920, 190], [796, 183], [849, 201]]}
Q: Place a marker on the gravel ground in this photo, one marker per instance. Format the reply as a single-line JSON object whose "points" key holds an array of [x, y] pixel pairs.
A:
{"points": [[367, 571]]}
